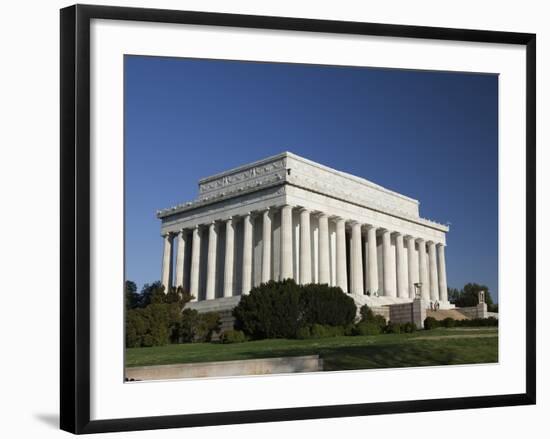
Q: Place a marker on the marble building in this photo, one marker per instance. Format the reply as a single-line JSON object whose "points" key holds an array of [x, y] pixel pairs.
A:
{"points": [[289, 217]]}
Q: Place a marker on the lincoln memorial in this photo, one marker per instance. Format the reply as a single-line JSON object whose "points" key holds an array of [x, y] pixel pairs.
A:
{"points": [[288, 217]]}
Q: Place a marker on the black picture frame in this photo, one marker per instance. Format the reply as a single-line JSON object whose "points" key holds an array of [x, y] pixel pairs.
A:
{"points": [[75, 217]]}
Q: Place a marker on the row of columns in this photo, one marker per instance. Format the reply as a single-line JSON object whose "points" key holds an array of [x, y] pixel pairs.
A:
{"points": [[416, 265]]}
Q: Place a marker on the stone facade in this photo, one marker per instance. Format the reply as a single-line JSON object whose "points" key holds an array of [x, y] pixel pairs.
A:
{"points": [[475, 312], [289, 217]]}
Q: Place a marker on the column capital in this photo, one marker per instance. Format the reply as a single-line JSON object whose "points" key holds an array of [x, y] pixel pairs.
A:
{"points": [[167, 235], [420, 240], [371, 226], [440, 244]]}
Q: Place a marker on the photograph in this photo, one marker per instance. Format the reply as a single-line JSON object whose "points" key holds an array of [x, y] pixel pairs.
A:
{"points": [[284, 218]]}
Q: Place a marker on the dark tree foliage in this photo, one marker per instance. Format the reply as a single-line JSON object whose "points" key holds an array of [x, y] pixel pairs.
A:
{"points": [[453, 294], [271, 310], [432, 323], [281, 309], [147, 293], [130, 294], [468, 296], [326, 305], [160, 318]]}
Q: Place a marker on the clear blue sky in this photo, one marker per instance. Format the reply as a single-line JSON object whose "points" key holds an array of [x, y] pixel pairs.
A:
{"points": [[430, 135]]}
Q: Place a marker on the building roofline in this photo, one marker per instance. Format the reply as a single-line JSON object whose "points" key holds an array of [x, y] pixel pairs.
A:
{"points": [[326, 168]]}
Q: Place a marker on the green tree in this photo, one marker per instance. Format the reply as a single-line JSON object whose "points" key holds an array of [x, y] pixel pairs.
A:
{"points": [[271, 310], [468, 296], [130, 294], [147, 293], [453, 294], [281, 309], [159, 317]]}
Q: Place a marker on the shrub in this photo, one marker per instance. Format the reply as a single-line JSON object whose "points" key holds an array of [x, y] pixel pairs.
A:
{"points": [[349, 329], [448, 322], [380, 321], [233, 336], [271, 310], [318, 331], [327, 305], [490, 321], [430, 323], [335, 331], [367, 328], [366, 314], [135, 328], [393, 328], [408, 327], [208, 323], [281, 309], [303, 333], [187, 326]]}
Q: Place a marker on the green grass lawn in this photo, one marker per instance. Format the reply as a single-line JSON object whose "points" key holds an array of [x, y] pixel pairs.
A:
{"points": [[423, 348]]}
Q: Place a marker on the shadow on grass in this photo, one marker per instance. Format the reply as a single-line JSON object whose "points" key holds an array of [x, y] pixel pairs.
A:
{"points": [[412, 354]]}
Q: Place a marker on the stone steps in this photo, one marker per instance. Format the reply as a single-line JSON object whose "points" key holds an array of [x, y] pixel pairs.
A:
{"points": [[442, 314]]}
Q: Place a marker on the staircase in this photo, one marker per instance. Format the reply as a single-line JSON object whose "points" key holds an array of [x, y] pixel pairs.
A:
{"points": [[442, 314]]}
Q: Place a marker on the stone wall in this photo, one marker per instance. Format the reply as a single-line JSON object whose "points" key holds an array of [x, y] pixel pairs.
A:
{"points": [[401, 313], [383, 311], [259, 366], [413, 312], [475, 312]]}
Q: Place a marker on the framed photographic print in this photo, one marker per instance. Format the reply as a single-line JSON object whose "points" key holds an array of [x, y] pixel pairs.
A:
{"points": [[284, 218]]}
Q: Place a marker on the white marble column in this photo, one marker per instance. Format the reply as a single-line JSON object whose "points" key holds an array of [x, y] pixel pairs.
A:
{"points": [[423, 268], [195, 263], [324, 250], [305, 247], [229, 256], [247, 254], [388, 268], [442, 273], [412, 259], [402, 282], [356, 259], [180, 258], [266, 246], [167, 261], [341, 271], [286, 243], [372, 260], [434, 282], [211, 264]]}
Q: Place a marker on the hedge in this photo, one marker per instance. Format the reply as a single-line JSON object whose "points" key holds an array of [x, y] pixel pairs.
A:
{"points": [[432, 323]]}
